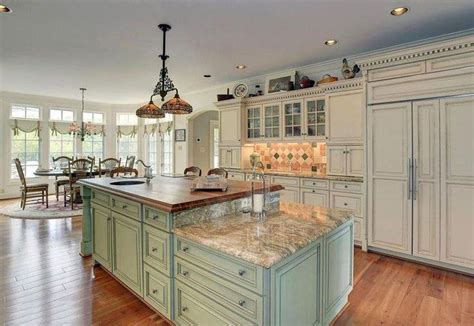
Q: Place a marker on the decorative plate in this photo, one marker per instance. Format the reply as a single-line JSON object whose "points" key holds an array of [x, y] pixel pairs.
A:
{"points": [[241, 90]]}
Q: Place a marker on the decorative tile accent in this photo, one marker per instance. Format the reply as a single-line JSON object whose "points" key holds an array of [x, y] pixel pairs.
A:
{"points": [[299, 156]]}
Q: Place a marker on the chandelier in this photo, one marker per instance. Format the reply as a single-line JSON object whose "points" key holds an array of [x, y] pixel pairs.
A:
{"points": [[83, 129], [174, 106]]}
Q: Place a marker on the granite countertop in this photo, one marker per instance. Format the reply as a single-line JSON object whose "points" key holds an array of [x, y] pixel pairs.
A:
{"points": [[305, 174], [266, 243]]}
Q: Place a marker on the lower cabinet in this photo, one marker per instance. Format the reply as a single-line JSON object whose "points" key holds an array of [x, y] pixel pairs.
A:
{"points": [[102, 235], [346, 160], [157, 291], [314, 197], [127, 249], [290, 195]]}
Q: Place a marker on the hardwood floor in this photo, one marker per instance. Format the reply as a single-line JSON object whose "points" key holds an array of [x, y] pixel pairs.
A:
{"points": [[44, 281]]}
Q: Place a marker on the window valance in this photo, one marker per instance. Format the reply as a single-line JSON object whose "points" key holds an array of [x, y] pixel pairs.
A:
{"points": [[165, 127], [25, 126], [59, 128], [127, 131]]}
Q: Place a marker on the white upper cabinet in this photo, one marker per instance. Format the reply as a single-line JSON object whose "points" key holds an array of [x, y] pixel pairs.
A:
{"points": [[230, 126], [293, 120], [254, 122], [315, 119], [345, 117], [271, 121], [263, 122]]}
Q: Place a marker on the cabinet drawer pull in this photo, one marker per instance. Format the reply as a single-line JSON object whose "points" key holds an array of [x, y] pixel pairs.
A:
{"points": [[155, 217], [154, 249], [241, 303], [124, 206], [109, 218], [241, 272], [185, 249], [345, 204], [314, 183], [314, 190], [184, 309], [154, 291], [185, 273], [345, 186]]}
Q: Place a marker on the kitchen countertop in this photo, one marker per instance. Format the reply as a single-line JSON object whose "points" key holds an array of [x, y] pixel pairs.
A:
{"points": [[304, 174], [266, 243], [172, 194]]}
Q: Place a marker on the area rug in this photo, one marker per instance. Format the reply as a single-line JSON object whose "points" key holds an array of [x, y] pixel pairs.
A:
{"points": [[56, 209]]}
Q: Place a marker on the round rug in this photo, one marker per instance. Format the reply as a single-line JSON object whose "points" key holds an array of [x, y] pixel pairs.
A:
{"points": [[56, 209]]}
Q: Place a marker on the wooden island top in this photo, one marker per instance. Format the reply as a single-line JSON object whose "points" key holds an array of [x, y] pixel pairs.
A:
{"points": [[172, 194]]}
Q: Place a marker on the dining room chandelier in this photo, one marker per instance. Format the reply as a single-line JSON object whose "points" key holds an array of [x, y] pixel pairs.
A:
{"points": [[84, 129], [176, 105]]}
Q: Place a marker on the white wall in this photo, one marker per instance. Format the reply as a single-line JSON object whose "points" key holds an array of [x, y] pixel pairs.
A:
{"points": [[201, 130]]}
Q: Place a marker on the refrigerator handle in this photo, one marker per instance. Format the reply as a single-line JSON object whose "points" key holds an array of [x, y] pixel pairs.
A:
{"points": [[409, 178], [414, 186]]}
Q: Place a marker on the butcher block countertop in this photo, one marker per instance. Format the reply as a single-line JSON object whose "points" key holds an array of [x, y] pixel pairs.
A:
{"points": [[172, 194]]}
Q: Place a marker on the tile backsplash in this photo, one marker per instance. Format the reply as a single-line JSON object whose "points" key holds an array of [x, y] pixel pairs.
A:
{"points": [[297, 156]]}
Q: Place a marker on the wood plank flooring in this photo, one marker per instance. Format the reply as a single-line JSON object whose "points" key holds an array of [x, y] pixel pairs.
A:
{"points": [[43, 281]]}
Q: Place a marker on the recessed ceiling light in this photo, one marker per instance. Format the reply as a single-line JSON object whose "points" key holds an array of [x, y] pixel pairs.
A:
{"points": [[241, 66], [4, 8], [330, 42], [207, 76], [399, 11]]}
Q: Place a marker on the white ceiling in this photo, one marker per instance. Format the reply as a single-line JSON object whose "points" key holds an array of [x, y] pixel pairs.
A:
{"points": [[53, 47]]}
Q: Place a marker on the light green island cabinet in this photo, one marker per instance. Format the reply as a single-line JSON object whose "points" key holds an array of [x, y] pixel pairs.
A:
{"points": [[192, 284]]}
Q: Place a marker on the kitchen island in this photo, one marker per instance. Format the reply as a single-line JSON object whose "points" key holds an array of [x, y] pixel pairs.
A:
{"points": [[196, 258]]}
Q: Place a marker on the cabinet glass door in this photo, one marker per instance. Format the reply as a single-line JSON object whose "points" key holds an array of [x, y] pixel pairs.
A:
{"points": [[272, 121], [253, 123], [315, 118], [292, 114]]}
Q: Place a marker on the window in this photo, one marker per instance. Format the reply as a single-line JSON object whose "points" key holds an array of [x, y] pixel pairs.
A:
{"points": [[215, 146], [93, 146], [152, 159], [61, 145], [166, 153], [61, 115], [93, 117], [25, 146], [25, 112], [127, 119], [127, 145]]}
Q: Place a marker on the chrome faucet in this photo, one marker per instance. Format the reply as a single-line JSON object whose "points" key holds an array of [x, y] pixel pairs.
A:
{"points": [[259, 177]]}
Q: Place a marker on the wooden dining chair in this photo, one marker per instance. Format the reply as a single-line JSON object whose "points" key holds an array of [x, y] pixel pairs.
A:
{"points": [[30, 191], [60, 181], [107, 165], [78, 169], [124, 170], [218, 171], [193, 170]]}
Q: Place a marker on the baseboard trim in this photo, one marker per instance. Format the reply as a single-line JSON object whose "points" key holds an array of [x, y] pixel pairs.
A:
{"points": [[423, 261]]}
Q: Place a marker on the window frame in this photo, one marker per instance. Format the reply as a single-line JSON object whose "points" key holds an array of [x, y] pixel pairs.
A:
{"points": [[24, 166], [94, 122], [40, 112], [128, 154], [74, 146], [62, 109], [102, 155]]}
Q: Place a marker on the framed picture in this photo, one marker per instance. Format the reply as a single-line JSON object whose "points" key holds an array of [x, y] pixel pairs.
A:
{"points": [[279, 82], [180, 135]]}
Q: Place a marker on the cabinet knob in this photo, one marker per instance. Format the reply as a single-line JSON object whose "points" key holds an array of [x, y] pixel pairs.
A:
{"points": [[155, 291], [314, 190], [345, 186], [185, 249], [241, 303], [184, 309], [185, 273], [327, 137], [109, 218], [345, 204], [241, 272], [155, 217], [314, 183], [124, 206], [154, 249]]}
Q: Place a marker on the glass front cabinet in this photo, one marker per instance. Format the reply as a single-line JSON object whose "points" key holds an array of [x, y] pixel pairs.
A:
{"points": [[263, 122], [292, 120]]}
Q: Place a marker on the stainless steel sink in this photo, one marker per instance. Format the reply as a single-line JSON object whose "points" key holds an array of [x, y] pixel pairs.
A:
{"points": [[127, 182]]}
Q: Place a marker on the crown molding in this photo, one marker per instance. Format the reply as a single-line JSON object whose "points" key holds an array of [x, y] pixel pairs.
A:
{"points": [[425, 51], [338, 86]]}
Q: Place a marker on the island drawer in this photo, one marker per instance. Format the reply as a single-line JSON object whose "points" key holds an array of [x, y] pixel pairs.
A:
{"points": [[234, 297], [314, 183], [230, 268], [347, 201], [156, 249], [157, 291], [194, 308], [346, 186], [100, 198], [156, 218], [126, 207]]}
